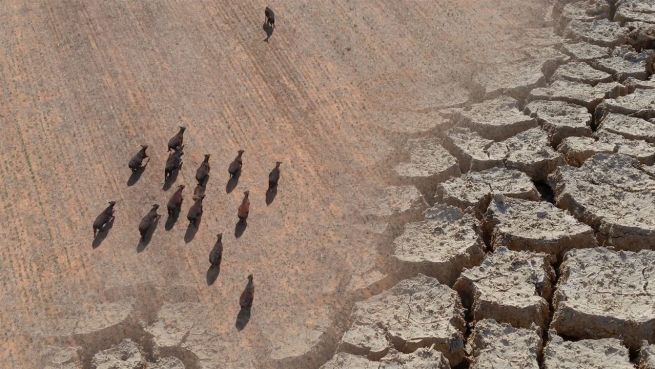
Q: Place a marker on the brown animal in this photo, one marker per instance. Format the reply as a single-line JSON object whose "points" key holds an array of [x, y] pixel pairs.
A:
{"points": [[248, 294], [203, 171], [270, 17], [195, 212], [216, 255], [105, 217], [236, 164], [174, 162], [175, 202], [274, 176], [176, 141], [244, 208], [148, 220], [136, 162]]}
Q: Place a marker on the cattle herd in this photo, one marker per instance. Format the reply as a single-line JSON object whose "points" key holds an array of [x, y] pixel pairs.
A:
{"points": [[173, 164]]}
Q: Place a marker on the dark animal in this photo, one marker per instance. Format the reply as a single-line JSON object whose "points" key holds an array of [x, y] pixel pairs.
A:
{"points": [[137, 159], [195, 212], [248, 294], [174, 162], [176, 141], [244, 208], [203, 171], [274, 175], [270, 17], [216, 255], [105, 217], [175, 202], [148, 220], [236, 164]]}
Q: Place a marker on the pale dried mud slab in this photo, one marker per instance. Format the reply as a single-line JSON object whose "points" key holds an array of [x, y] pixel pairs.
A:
{"points": [[624, 63], [475, 189], [529, 152], [59, 357], [587, 10], [495, 119], [588, 354], [535, 226], [601, 32], [440, 246], [509, 286], [614, 195], [512, 78], [125, 355], [578, 149], [429, 164], [647, 356], [560, 119], [471, 149], [575, 92], [640, 103], [604, 293], [499, 345], [585, 51], [635, 10], [403, 203], [640, 84], [629, 127], [423, 358], [417, 312], [581, 72]]}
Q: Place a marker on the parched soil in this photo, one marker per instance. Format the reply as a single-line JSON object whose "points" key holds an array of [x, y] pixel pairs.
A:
{"points": [[84, 83]]}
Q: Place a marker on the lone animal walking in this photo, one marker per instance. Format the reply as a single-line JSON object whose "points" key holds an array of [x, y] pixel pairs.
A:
{"points": [[236, 164], [274, 176], [248, 294], [244, 208], [203, 171], [176, 141], [216, 254]]}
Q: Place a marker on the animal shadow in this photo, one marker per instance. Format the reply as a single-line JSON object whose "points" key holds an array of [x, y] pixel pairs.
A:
{"points": [[168, 182], [212, 274], [240, 228], [270, 195], [242, 319], [171, 220], [134, 177], [143, 242], [191, 231], [232, 182], [102, 234], [269, 31]]}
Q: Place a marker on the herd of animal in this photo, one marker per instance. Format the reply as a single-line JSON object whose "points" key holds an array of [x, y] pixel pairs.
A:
{"points": [[173, 165]]}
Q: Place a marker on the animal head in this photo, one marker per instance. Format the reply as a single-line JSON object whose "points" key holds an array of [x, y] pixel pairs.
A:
{"points": [[182, 128], [199, 197], [277, 164], [207, 156], [155, 206], [246, 193], [219, 236], [180, 187], [144, 147], [241, 152], [112, 203], [250, 277]]}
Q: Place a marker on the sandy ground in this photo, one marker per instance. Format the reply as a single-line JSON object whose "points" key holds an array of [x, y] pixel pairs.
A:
{"points": [[83, 83]]}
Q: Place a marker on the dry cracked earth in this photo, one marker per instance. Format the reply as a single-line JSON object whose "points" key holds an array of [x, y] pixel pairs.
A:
{"points": [[494, 212]]}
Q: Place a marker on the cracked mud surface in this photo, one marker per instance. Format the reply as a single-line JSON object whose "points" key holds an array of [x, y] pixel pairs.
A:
{"points": [[484, 202]]}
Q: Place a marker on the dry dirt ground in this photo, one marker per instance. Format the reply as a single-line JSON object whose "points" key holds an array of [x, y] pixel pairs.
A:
{"points": [[83, 83]]}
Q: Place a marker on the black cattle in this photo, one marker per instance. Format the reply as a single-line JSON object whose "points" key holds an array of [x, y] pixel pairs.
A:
{"points": [[248, 294], [148, 220], [270, 17], [216, 254], [203, 171], [274, 175], [244, 208], [195, 212], [174, 162], [175, 202], [136, 162], [176, 141], [105, 217], [235, 166]]}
